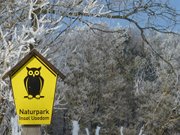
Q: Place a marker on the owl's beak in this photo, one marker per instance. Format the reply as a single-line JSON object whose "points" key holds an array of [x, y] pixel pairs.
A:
{"points": [[33, 75]]}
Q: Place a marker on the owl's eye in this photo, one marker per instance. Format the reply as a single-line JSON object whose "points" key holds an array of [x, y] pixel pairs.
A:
{"points": [[30, 72], [36, 72]]}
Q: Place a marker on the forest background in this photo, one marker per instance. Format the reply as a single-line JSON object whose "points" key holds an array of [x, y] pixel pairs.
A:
{"points": [[120, 57]]}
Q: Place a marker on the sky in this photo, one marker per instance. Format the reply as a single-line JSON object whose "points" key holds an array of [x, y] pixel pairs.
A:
{"points": [[117, 23], [176, 4], [123, 23]]}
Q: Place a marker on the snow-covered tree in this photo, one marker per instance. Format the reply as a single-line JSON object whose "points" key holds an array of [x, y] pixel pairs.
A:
{"points": [[116, 83], [113, 81]]}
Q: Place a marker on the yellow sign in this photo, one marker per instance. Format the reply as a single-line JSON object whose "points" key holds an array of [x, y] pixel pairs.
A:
{"points": [[34, 82]]}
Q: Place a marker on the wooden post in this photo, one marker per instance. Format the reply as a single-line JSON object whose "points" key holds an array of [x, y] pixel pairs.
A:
{"points": [[31, 130]]}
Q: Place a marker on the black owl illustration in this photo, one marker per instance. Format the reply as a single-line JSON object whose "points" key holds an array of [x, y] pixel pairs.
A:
{"points": [[33, 83]]}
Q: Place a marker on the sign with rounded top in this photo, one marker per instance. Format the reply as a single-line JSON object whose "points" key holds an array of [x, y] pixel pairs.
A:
{"points": [[33, 82]]}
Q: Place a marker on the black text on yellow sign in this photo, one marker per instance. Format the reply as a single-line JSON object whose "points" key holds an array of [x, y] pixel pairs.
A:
{"points": [[33, 82]]}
